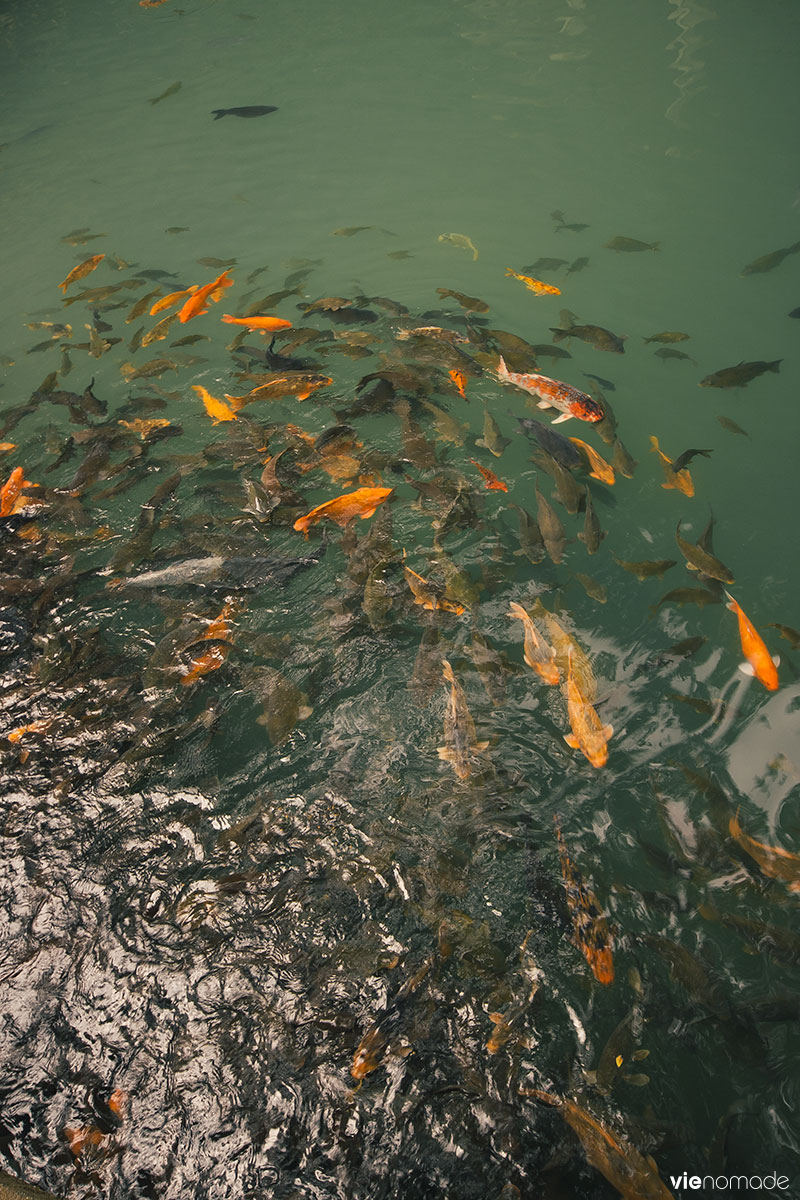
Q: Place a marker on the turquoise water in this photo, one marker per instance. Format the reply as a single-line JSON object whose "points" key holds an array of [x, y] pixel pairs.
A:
{"points": [[210, 919]]}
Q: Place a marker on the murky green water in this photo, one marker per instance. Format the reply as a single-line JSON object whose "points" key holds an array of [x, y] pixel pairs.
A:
{"points": [[213, 895]]}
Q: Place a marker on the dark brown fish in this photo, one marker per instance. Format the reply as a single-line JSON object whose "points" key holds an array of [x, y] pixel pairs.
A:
{"points": [[740, 375], [248, 110]]}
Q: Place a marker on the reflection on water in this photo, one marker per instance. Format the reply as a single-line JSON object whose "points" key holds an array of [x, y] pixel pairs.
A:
{"points": [[687, 16]]}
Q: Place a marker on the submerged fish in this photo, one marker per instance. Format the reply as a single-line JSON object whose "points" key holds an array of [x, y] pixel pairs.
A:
{"points": [[460, 746], [429, 595], [669, 336], [595, 335], [590, 928], [768, 262], [470, 303], [460, 240], [218, 572], [491, 482], [774, 861], [248, 110], [674, 477], [195, 306], [492, 439], [700, 560], [646, 569], [741, 374], [170, 91], [630, 244], [82, 270], [535, 285]]}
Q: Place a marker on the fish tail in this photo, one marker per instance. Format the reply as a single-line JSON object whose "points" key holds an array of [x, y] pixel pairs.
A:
{"points": [[654, 444], [559, 334], [516, 610], [447, 671], [228, 319], [775, 366], [218, 112], [502, 370]]}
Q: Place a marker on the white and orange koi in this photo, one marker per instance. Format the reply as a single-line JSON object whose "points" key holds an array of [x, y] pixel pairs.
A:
{"points": [[568, 400]]}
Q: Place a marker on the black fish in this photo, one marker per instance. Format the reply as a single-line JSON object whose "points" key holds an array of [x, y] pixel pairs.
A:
{"points": [[560, 448], [604, 383], [249, 110]]}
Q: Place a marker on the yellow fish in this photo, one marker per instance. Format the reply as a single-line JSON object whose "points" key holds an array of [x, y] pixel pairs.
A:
{"points": [[535, 285]]}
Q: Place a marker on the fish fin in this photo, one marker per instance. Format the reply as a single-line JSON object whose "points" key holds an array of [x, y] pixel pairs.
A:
{"points": [[563, 417], [746, 669], [479, 747], [775, 366], [572, 741], [559, 334], [608, 731], [544, 404], [218, 112], [776, 658], [445, 754], [447, 671], [482, 443], [304, 711]]}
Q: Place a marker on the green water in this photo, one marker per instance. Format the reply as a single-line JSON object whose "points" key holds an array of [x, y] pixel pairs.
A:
{"points": [[224, 975]]}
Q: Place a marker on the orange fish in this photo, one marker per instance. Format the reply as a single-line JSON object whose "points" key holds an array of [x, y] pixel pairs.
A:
{"points": [[759, 662], [680, 480], [151, 3], [592, 935], [118, 1102], [82, 270], [213, 658], [539, 656], [588, 735], [16, 735], [218, 410], [79, 1139], [11, 498], [195, 305], [264, 324], [344, 509], [172, 298], [492, 482], [535, 285], [598, 467], [460, 381], [773, 860], [626, 1168], [553, 394]]}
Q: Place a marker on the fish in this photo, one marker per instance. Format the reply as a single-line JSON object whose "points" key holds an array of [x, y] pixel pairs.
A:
{"points": [[217, 409], [630, 244], [597, 466], [141, 305], [646, 569], [492, 483], [591, 534], [216, 572], [530, 538], [195, 305], [588, 734], [768, 262], [214, 656], [343, 509], [282, 702], [578, 265], [597, 591], [461, 241], [429, 595], [759, 662], [595, 335], [170, 299], [687, 456], [82, 270], [12, 497], [774, 861], [792, 635], [568, 400], [372, 1048], [700, 560], [248, 110], [470, 303], [262, 324], [633, 1175], [590, 928], [159, 330], [148, 370], [795, 313], [699, 596], [538, 654], [731, 426], [569, 491], [669, 336], [622, 460], [554, 444], [170, 91], [447, 427], [546, 264], [300, 384], [680, 480], [145, 427], [217, 263], [603, 383], [667, 352], [535, 285], [350, 230], [741, 374], [552, 530], [460, 746], [492, 439]]}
